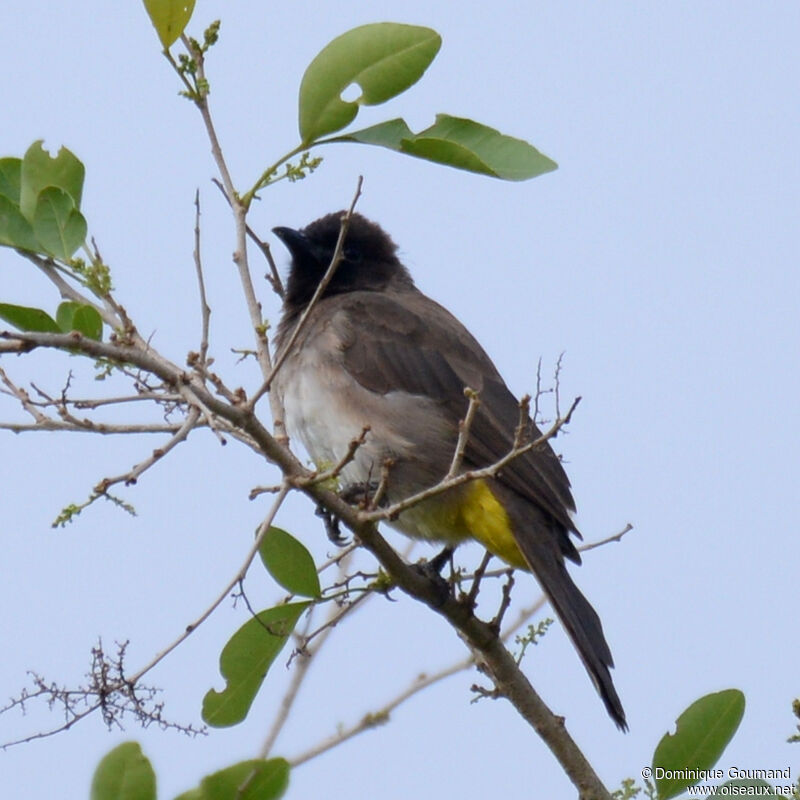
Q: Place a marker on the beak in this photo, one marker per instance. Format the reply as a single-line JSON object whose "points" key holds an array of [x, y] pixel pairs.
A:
{"points": [[296, 243]]}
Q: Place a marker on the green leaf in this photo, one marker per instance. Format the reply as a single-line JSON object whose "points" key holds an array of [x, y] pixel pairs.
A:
{"points": [[169, 18], [15, 230], [383, 58], [703, 732], [746, 783], [80, 317], [40, 170], [10, 169], [389, 134], [264, 780], [245, 660], [460, 143], [124, 774], [469, 145], [57, 224], [28, 319], [288, 561]]}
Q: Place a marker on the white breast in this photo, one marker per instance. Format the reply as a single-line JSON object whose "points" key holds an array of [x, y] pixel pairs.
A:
{"points": [[326, 409]]}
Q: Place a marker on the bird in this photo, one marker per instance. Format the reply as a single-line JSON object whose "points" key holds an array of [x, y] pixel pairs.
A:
{"points": [[377, 358]]}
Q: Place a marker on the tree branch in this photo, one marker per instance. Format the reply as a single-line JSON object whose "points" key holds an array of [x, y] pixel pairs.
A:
{"points": [[509, 680]]}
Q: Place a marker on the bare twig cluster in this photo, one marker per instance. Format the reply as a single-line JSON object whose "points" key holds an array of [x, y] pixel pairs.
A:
{"points": [[107, 691]]}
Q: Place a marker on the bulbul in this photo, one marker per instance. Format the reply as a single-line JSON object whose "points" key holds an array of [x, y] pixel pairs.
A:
{"points": [[375, 351]]}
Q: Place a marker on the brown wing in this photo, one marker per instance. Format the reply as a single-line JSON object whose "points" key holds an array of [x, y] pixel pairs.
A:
{"points": [[404, 341]]}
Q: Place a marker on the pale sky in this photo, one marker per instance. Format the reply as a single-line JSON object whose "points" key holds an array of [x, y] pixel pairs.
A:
{"points": [[661, 257]]}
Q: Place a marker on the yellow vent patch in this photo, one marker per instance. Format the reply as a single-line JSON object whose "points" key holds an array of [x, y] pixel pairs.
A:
{"points": [[485, 518]]}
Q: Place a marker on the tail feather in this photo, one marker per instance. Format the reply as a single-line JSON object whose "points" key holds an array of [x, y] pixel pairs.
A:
{"points": [[577, 615]]}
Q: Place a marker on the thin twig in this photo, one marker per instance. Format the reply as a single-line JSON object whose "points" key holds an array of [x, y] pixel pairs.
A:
{"points": [[194, 401], [306, 654], [381, 716], [273, 276], [88, 427], [383, 484], [523, 426], [338, 558], [339, 615], [336, 469], [205, 310], [464, 427], [92, 403], [557, 382], [130, 477], [237, 578], [24, 399], [537, 417], [617, 537], [505, 602], [53, 272], [301, 664]]}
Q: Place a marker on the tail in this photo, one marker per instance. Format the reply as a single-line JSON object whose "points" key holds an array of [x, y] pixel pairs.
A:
{"points": [[576, 614]]}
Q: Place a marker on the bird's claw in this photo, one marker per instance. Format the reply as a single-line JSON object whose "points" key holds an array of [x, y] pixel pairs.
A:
{"points": [[332, 529]]}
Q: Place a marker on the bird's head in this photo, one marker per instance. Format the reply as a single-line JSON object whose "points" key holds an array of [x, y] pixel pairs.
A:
{"points": [[369, 258]]}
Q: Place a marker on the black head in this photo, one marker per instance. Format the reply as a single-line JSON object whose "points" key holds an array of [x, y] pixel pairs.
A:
{"points": [[369, 258]]}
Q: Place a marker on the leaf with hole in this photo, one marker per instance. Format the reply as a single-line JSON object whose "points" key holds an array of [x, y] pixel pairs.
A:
{"points": [[40, 170], [460, 143], [28, 319], [288, 561], [245, 660], [169, 18], [57, 224], [383, 58], [124, 773], [702, 734]]}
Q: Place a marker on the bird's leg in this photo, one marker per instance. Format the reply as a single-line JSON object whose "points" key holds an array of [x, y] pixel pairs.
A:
{"points": [[440, 559], [432, 570]]}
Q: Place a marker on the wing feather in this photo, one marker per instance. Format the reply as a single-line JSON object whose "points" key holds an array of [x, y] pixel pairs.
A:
{"points": [[404, 341]]}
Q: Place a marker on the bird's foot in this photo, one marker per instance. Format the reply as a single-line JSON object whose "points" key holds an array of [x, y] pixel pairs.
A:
{"points": [[332, 529], [356, 494]]}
